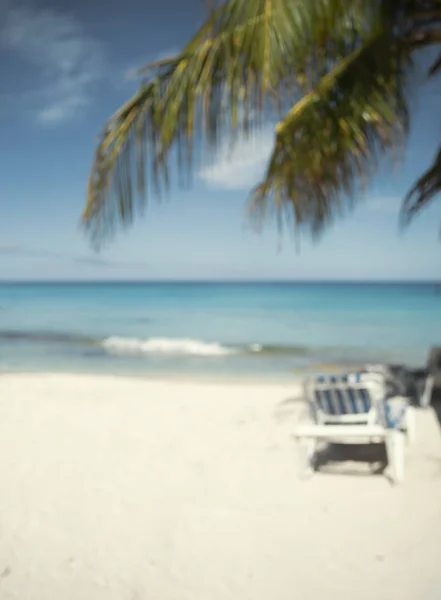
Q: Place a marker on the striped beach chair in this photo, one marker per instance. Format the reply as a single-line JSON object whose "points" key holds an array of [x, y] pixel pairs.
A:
{"points": [[354, 408]]}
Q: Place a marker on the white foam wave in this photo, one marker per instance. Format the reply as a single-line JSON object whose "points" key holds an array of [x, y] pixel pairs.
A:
{"points": [[256, 347], [125, 345]]}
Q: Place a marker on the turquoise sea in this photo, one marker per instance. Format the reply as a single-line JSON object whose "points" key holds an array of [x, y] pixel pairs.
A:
{"points": [[258, 330]]}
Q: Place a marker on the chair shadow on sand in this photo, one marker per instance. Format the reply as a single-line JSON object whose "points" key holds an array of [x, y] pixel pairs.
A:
{"points": [[347, 459]]}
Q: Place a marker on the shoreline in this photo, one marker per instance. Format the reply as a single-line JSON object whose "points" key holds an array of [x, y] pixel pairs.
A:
{"points": [[163, 379], [294, 376]]}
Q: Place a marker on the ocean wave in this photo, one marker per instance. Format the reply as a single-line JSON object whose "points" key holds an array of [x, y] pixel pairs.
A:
{"points": [[125, 345], [194, 347], [266, 349], [116, 344], [170, 347]]}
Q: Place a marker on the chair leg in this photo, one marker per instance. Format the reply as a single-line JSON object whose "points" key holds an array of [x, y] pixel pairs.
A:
{"points": [[311, 451], [410, 424], [306, 446], [395, 454]]}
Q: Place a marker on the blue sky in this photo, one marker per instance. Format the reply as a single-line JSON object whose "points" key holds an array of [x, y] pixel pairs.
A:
{"points": [[64, 69]]}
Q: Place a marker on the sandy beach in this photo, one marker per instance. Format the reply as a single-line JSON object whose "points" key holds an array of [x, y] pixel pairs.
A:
{"points": [[115, 488]]}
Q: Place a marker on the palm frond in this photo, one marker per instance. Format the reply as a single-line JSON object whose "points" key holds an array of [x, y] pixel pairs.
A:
{"points": [[435, 67], [335, 68], [248, 57], [423, 191], [330, 141]]}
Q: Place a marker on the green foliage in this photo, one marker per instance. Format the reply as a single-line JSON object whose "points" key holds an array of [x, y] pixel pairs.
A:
{"points": [[336, 74]]}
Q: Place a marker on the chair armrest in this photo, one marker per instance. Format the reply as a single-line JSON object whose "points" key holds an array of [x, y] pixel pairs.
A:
{"points": [[339, 431]]}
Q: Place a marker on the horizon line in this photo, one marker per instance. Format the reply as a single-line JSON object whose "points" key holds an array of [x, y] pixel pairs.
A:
{"points": [[222, 281]]}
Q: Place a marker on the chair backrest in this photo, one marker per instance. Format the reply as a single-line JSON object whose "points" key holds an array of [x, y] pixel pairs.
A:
{"points": [[346, 398]]}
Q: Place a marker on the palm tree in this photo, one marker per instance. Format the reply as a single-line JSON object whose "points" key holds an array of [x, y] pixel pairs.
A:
{"points": [[335, 77]]}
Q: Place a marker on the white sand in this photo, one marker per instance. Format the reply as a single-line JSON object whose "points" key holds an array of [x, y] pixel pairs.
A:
{"points": [[125, 489]]}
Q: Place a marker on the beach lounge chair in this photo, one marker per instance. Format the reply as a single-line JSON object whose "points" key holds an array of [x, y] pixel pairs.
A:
{"points": [[353, 409]]}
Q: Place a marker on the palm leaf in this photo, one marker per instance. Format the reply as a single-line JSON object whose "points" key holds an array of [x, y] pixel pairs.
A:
{"points": [[251, 57], [424, 190], [336, 70], [435, 67], [333, 137]]}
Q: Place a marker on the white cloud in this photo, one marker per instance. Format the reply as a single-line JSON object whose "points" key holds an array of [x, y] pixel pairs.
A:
{"points": [[63, 54], [241, 165]]}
